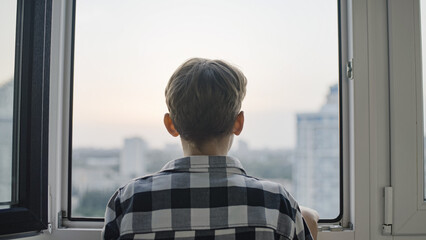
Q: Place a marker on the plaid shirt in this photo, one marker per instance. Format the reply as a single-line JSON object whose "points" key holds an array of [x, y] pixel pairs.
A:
{"points": [[203, 197]]}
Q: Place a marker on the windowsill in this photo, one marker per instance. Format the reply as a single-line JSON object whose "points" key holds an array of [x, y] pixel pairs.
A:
{"points": [[95, 233], [4, 207], [342, 235]]}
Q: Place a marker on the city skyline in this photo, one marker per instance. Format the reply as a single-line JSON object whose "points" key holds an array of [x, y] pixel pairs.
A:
{"points": [[309, 171]]}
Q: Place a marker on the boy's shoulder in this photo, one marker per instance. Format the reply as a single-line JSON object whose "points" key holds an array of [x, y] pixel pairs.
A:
{"points": [[139, 184], [271, 187]]}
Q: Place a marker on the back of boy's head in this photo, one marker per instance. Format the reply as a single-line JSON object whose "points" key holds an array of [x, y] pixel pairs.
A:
{"points": [[204, 98]]}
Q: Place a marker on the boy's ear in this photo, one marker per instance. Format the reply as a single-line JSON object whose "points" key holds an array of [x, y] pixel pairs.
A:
{"points": [[239, 124], [168, 123]]}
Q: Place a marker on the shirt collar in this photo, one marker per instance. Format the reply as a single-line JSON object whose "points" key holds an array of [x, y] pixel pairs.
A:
{"points": [[205, 164]]}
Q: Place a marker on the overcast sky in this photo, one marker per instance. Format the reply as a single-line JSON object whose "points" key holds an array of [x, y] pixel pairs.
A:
{"points": [[125, 52]]}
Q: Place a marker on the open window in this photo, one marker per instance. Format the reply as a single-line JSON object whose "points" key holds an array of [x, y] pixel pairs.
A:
{"points": [[24, 111], [123, 56]]}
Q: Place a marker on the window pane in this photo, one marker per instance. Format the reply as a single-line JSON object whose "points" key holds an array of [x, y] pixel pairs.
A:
{"points": [[7, 66], [423, 30], [125, 54]]}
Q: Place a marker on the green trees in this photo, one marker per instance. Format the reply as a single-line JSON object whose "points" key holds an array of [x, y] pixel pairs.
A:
{"points": [[93, 203]]}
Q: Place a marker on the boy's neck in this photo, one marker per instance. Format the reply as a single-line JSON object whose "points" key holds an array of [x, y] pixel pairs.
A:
{"points": [[214, 147]]}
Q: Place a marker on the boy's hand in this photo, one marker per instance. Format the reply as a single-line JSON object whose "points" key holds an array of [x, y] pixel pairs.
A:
{"points": [[311, 218]]}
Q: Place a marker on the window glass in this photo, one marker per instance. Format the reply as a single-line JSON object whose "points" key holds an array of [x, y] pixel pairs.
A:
{"points": [[7, 67], [423, 30], [125, 53]]}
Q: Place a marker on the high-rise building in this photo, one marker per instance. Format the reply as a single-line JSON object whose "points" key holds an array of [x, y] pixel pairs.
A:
{"points": [[316, 160], [132, 159]]}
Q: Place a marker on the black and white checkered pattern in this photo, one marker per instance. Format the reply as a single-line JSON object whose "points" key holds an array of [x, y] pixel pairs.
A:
{"points": [[203, 197]]}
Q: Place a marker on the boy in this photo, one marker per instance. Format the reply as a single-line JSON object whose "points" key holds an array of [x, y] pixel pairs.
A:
{"points": [[206, 194]]}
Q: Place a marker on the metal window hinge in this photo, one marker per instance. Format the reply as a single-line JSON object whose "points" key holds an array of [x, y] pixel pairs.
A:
{"points": [[388, 218], [350, 69]]}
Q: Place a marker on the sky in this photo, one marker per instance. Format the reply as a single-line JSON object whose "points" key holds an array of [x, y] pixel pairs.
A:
{"points": [[125, 54]]}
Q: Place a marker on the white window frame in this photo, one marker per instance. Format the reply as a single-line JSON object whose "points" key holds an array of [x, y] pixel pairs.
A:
{"points": [[406, 101]]}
